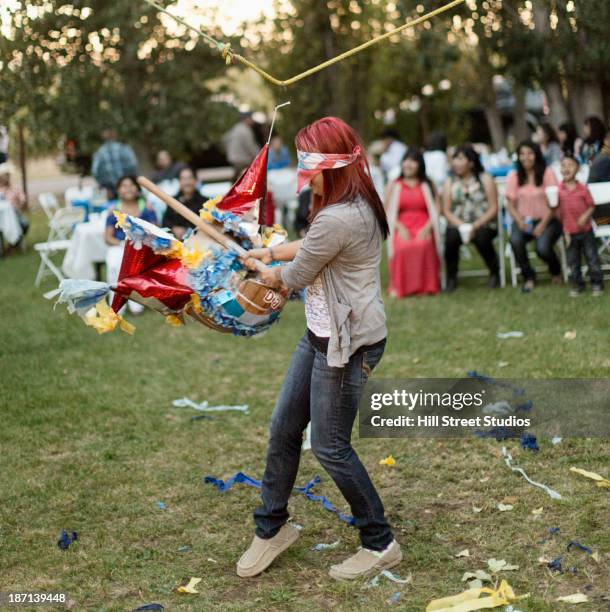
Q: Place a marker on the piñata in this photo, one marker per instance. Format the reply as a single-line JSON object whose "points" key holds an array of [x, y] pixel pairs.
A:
{"points": [[202, 277]]}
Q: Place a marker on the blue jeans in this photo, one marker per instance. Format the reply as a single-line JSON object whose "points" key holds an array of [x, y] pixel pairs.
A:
{"points": [[544, 248], [329, 397], [584, 243]]}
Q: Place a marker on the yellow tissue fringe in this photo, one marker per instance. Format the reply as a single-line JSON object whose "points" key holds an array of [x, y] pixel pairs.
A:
{"points": [[206, 210], [174, 320], [268, 233], [103, 319], [120, 218], [178, 320], [191, 259]]}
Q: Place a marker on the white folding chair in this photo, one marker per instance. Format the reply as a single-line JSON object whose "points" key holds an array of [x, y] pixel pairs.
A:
{"points": [[49, 204], [601, 196], [63, 222], [46, 250]]}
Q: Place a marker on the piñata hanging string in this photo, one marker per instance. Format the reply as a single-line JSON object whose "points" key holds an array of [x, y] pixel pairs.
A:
{"points": [[229, 55]]}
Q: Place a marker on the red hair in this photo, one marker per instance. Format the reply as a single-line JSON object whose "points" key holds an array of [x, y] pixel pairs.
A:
{"points": [[332, 135]]}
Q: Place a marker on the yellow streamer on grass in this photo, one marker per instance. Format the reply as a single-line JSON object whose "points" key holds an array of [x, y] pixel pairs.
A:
{"points": [[600, 480], [229, 55], [471, 600]]}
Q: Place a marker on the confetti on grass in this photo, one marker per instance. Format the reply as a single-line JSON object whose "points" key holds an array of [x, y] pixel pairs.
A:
{"points": [[185, 402], [576, 598], [390, 576], [600, 480], [529, 442], [472, 600], [510, 334], [190, 587], [65, 539], [324, 546], [508, 459]]}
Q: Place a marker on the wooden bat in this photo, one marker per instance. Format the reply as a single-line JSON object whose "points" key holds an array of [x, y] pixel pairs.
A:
{"points": [[197, 221]]}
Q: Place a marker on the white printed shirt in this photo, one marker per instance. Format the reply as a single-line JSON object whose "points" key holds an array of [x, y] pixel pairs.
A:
{"points": [[316, 309]]}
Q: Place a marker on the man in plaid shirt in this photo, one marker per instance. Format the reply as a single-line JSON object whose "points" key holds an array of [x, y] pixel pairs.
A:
{"points": [[112, 161]]}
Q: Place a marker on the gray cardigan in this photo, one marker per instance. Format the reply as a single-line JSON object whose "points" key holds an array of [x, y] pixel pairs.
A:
{"points": [[343, 244]]}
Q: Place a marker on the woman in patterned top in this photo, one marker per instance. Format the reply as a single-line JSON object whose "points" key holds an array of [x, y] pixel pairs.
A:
{"points": [[470, 205]]}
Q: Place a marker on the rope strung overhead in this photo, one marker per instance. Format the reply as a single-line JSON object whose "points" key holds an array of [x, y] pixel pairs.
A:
{"points": [[229, 55]]}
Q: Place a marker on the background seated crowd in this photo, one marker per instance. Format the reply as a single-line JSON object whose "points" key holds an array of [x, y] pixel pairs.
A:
{"points": [[466, 205], [435, 202]]}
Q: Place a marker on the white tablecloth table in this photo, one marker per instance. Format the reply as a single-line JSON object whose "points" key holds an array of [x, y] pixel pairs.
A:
{"points": [[9, 223], [87, 247]]}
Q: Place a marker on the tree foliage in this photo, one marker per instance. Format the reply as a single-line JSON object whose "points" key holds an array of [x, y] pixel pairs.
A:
{"points": [[71, 69]]}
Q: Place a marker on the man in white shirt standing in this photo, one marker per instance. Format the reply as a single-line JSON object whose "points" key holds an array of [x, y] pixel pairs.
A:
{"points": [[240, 144], [393, 153], [3, 144], [435, 156]]}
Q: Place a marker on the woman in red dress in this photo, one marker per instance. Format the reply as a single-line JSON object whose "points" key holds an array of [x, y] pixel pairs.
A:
{"points": [[413, 244]]}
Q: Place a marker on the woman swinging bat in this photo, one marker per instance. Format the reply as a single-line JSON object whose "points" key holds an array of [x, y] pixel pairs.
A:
{"points": [[338, 261]]}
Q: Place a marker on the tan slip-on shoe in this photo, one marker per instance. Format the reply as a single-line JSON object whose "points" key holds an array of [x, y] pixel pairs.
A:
{"points": [[367, 562], [262, 553]]}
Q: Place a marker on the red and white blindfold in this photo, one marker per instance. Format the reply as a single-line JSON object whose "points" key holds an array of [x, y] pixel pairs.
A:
{"points": [[309, 164]]}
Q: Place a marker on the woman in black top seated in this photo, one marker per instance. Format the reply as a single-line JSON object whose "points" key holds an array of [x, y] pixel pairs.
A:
{"points": [[190, 197]]}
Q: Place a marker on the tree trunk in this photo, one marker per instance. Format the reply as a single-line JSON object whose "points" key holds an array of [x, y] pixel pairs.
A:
{"points": [[585, 99], [520, 128], [22, 162], [557, 104], [552, 87], [424, 120], [488, 93], [496, 129], [593, 99]]}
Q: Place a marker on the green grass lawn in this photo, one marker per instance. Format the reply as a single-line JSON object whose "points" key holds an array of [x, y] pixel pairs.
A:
{"points": [[90, 442]]}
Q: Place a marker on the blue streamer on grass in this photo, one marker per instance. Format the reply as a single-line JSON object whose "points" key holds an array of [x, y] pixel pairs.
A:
{"points": [[529, 442], [494, 381], [555, 565], [578, 545], [242, 478], [306, 491], [499, 433], [65, 539]]}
